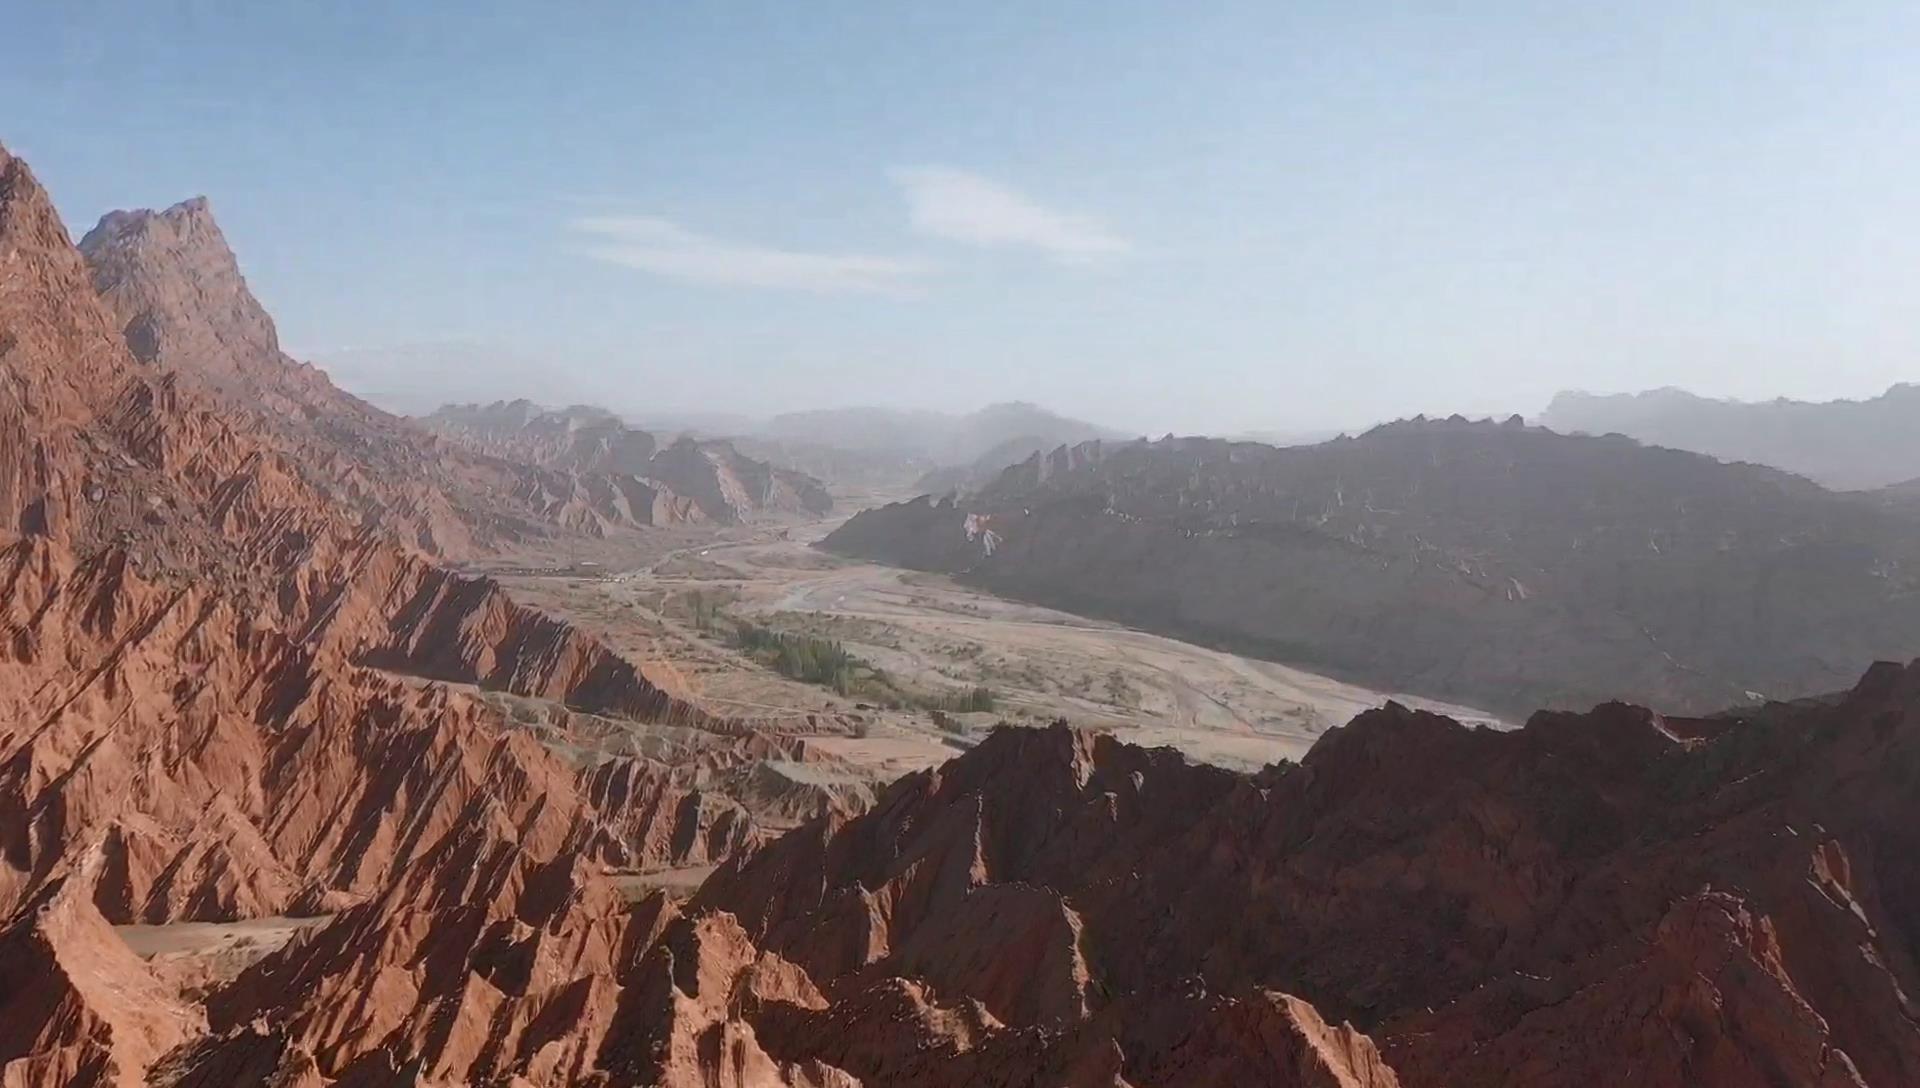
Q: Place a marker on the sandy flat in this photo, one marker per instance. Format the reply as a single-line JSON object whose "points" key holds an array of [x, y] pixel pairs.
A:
{"points": [[264, 934], [678, 883]]}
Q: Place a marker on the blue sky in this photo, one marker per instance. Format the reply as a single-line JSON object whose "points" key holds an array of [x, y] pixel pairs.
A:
{"points": [[1197, 216]]}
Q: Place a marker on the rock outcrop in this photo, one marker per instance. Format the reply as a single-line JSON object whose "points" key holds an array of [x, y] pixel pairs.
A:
{"points": [[732, 487], [580, 438], [1492, 564], [665, 815]]}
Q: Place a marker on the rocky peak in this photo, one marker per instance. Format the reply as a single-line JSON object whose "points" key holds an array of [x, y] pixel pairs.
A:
{"points": [[176, 288], [45, 305]]}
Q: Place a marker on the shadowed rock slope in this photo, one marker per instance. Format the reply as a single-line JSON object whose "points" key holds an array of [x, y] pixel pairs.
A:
{"points": [[1493, 564], [189, 724]]}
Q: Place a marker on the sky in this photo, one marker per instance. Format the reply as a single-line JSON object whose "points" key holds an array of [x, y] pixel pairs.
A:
{"points": [[1191, 217]]}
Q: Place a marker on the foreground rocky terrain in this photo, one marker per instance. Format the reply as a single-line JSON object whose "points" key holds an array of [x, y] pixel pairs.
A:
{"points": [[1495, 564], [1611, 897], [236, 693]]}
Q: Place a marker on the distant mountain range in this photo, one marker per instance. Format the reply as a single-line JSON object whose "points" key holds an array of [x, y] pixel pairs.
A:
{"points": [[856, 445], [938, 437], [722, 484], [1852, 444], [935, 452]]}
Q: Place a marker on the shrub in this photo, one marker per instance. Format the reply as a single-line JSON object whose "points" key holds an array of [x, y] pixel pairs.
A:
{"points": [[809, 658], [813, 659]]}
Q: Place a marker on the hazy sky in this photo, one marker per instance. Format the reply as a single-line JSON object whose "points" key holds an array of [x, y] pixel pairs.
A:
{"points": [[1185, 216]]}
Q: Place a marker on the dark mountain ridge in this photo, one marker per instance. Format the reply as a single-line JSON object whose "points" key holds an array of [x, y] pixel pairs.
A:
{"points": [[1484, 562]]}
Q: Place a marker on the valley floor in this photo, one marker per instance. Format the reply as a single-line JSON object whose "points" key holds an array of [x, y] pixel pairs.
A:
{"points": [[933, 636]]}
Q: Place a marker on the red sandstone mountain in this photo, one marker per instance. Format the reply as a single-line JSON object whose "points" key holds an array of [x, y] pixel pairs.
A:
{"points": [[176, 292], [200, 671], [719, 481]]}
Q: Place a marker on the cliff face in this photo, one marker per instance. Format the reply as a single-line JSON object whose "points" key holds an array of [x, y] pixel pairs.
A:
{"points": [[176, 288], [1494, 564], [175, 291]]}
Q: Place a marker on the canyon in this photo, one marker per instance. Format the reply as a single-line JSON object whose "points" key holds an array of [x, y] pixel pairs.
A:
{"points": [[318, 768]]}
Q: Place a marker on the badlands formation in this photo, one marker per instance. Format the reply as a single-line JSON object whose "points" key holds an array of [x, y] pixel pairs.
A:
{"points": [[241, 689]]}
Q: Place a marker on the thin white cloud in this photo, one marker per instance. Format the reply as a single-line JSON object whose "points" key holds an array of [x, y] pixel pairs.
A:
{"points": [[962, 207], [665, 248]]}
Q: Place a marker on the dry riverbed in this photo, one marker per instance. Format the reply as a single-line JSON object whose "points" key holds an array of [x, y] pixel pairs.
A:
{"points": [[933, 637]]}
